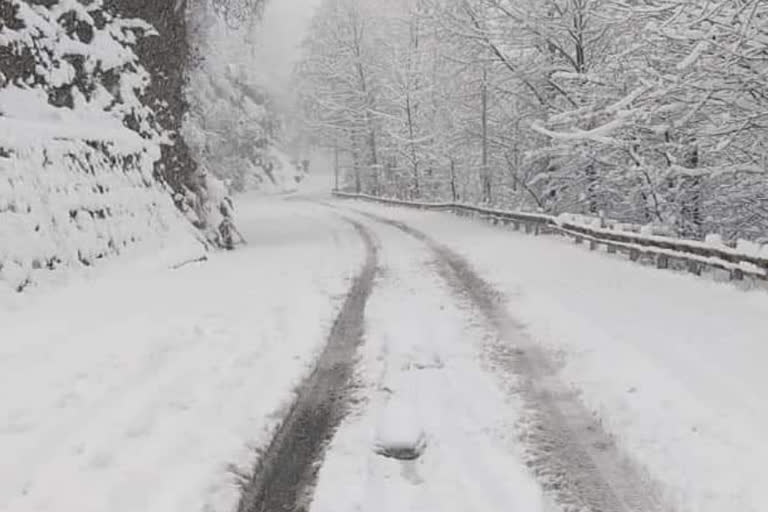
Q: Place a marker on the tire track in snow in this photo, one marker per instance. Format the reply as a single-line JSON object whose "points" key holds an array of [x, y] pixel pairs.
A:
{"points": [[419, 381], [286, 474], [572, 456]]}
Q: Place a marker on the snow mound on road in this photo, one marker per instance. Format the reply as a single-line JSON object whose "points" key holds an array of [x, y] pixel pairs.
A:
{"points": [[400, 434]]}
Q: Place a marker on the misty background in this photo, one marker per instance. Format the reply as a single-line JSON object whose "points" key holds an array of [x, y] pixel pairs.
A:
{"points": [[279, 40], [283, 29]]}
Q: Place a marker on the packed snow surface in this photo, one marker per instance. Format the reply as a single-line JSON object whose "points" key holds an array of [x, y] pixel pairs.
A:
{"points": [[422, 386], [146, 389]]}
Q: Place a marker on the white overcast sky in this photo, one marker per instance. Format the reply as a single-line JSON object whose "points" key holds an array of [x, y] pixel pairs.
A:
{"points": [[284, 27]]}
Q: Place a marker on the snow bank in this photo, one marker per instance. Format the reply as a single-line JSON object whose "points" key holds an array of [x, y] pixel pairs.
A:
{"points": [[26, 116], [68, 203]]}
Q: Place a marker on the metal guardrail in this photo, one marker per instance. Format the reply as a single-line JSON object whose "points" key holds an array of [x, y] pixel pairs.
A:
{"points": [[664, 251]]}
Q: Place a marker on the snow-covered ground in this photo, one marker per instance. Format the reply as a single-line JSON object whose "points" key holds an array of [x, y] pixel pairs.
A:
{"points": [[136, 389], [421, 385], [673, 364], [141, 388]]}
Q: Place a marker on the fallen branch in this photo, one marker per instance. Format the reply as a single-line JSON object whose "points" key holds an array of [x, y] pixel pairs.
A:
{"points": [[201, 259]]}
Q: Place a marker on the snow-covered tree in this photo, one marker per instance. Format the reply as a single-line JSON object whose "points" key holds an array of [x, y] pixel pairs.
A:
{"points": [[648, 111], [339, 91], [232, 126]]}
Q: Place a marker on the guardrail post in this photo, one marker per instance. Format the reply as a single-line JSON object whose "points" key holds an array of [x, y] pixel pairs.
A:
{"points": [[694, 268], [536, 230], [737, 274], [527, 229], [634, 254], [662, 261], [592, 245], [578, 240], [516, 225], [611, 249]]}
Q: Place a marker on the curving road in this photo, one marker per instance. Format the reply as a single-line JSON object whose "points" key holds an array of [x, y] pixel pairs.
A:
{"points": [[357, 357], [433, 362]]}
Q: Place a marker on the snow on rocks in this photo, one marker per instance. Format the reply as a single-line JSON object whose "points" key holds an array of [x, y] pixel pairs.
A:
{"points": [[78, 186], [66, 204]]}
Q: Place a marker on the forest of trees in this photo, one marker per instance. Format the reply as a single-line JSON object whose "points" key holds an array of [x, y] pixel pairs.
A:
{"points": [[645, 111], [231, 124]]}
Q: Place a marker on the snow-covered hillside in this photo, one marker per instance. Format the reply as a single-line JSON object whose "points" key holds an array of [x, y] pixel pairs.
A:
{"points": [[78, 147]]}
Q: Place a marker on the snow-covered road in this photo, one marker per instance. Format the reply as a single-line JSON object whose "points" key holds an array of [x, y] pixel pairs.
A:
{"points": [[670, 366], [148, 389], [533, 375], [421, 383], [446, 367]]}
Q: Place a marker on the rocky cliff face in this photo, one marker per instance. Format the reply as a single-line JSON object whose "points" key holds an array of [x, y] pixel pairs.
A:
{"points": [[89, 157]]}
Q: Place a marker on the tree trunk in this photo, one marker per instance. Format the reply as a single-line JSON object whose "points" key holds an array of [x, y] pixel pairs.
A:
{"points": [[453, 181], [336, 167], [485, 172], [414, 158]]}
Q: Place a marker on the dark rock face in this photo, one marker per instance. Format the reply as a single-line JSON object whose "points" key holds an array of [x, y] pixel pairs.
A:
{"points": [[165, 57], [163, 54]]}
